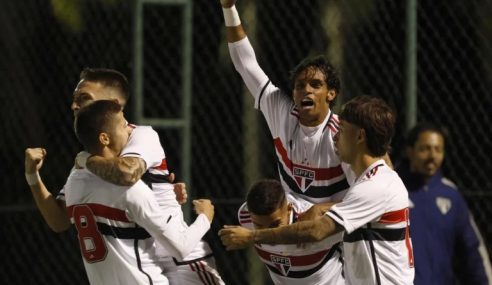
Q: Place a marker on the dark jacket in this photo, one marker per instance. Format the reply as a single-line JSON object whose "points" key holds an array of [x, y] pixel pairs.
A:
{"points": [[443, 231]]}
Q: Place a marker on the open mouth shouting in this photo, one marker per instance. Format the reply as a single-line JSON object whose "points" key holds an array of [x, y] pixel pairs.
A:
{"points": [[307, 103]]}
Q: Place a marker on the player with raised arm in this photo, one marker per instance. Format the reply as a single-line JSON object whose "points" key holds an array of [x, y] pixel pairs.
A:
{"points": [[373, 215], [268, 206], [302, 124], [143, 157], [115, 223]]}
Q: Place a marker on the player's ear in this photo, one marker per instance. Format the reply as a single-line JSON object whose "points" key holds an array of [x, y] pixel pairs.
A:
{"points": [[361, 137], [104, 139], [331, 95]]}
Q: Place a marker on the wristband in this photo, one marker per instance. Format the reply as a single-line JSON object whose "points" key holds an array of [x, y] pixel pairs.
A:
{"points": [[33, 178], [231, 17]]}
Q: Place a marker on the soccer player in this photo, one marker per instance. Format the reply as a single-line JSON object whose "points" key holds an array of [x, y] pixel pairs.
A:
{"points": [[142, 157], [447, 243], [115, 223], [374, 213], [268, 206], [302, 124]]}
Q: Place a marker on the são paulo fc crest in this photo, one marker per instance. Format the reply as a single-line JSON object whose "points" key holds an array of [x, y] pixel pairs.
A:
{"points": [[304, 177], [282, 263], [444, 204]]}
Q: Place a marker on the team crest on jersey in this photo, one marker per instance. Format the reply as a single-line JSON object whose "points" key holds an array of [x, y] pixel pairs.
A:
{"points": [[304, 177], [282, 263], [444, 204]]}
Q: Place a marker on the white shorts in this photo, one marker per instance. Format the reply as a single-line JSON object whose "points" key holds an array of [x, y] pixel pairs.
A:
{"points": [[192, 272]]}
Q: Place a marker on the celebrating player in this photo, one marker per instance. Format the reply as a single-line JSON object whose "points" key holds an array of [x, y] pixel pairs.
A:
{"points": [[302, 125], [142, 154], [268, 206], [114, 222], [373, 214]]}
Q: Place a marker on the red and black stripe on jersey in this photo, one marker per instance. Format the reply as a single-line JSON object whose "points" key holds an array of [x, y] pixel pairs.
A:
{"points": [[320, 174], [319, 258], [102, 211]]}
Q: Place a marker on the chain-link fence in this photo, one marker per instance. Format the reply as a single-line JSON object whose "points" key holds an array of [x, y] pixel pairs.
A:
{"points": [[46, 43]]}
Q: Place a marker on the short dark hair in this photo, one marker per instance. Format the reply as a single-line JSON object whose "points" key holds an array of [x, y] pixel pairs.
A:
{"points": [[265, 197], [375, 117], [93, 119], [108, 78], [321, 63], [414, 133]]}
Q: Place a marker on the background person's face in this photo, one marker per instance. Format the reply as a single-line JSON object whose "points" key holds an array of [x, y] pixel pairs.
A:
{"points": [[427, 154]]}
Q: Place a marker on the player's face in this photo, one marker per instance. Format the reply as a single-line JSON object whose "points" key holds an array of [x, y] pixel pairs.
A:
{"points": [[427, 154], [346, 141], [119, 134], [87, 91], [312, 97], [276, 219]]}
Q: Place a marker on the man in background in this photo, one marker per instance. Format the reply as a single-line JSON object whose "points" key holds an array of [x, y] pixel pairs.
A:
{"points": [[443, 231]]}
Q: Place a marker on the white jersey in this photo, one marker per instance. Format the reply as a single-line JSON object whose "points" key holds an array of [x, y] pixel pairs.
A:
{"points": [[144, 143], [115, 225], [198, 267], [307, 163], [376, 243], [314, 263]]}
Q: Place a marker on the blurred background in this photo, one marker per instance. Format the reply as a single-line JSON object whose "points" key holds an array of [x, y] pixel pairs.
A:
{"points": [[432, 60]]}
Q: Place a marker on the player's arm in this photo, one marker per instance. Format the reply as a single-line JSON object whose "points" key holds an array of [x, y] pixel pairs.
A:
{"points": [[124, 171], [234, 29], [164, 227], [241, 51], [142, 152], [316, 210], [52, 210], [235, 237]]}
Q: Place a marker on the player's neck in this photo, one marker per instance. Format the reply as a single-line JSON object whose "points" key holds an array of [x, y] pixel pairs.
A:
{"points": [[314, 121], [106, 152], [362, 162]]}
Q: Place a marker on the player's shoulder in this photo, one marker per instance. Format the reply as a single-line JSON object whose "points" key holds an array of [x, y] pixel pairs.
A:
{"points": [[138, 191], [334, 120], [143, 129], [244, 216], [298, 204]]}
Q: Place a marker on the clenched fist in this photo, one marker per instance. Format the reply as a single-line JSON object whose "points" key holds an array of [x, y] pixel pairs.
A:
{"points": [[204, 206], [34, 159]]}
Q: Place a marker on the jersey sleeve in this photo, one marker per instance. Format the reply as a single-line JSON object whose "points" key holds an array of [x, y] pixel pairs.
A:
{"points": [[163, 225], [244, 217], [144, 143], [244, 60], [270, 100], [363, 203], [61, 194]]}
